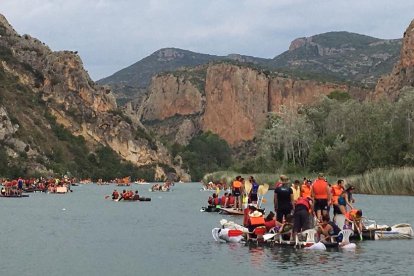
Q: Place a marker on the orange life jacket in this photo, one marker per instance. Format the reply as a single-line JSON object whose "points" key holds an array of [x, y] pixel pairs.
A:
{"points": [[216, 201], [336, 192], [320, 189], [230, 201], [256, 221], [237, 184], [305, 191], [351, 215]]}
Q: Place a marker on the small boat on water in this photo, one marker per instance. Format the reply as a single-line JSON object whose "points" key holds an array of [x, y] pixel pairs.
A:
{"points": [[13, 196], [142, 183], [231, 211], [210, 209], [133, 200]]}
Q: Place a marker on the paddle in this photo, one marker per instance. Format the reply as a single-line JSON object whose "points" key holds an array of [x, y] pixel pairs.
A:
{"points": [[247, 187], [262, 191]]}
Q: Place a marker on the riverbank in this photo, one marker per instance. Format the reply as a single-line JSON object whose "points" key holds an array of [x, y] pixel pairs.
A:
{"points": [[394, 181]]}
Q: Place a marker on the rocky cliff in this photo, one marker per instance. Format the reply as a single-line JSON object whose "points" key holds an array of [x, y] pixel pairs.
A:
{"points": [[230, 100], [59, 81], [402, 75]]}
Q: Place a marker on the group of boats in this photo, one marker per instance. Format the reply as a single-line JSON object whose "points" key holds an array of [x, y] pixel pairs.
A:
{"points": [[232, 232]]}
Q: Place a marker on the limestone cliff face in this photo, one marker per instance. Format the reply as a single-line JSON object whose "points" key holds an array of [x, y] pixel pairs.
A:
{"points": [[236, 102], [172, 96], [291, 92], [233, 101], [81, 106], [403, 73]]}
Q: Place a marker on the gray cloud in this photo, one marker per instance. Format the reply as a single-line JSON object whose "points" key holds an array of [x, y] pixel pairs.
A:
{"points": [[112, 34]]}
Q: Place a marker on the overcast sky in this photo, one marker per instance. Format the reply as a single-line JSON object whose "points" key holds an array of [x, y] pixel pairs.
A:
{"points": [[113, 34]]}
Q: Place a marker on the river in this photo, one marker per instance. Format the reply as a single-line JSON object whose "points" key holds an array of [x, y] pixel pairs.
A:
{"points": [[82, 233]]}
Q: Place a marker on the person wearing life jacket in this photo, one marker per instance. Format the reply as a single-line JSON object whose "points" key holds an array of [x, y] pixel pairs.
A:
{"points": [[237, 191], [115, 194], [355, 216], [321, 195], [305, 189], [136, 195], [230, 200], [255, 220], [303, 208], [337, 191], [223, 201]]}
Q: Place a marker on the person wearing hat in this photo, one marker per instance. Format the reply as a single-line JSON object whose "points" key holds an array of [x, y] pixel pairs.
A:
{"points": [[321, 195], [255, 220]]}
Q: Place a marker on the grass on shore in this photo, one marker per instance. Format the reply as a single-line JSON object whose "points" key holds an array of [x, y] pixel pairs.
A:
{"points": [[395, 181]]}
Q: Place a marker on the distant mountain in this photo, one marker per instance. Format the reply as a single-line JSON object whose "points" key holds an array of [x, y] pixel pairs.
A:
{"points": [[132, 81], [342, 55], [333, 56]]}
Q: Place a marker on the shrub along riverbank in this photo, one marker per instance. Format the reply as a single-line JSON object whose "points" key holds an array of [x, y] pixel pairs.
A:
{"points": [[395, 181]]}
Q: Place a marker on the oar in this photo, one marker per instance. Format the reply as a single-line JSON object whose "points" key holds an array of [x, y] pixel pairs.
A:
{"points": [[247, 187], [262, 191]]}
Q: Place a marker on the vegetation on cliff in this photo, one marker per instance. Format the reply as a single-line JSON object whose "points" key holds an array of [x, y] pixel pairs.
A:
{"points": [[205, 153], [339, 136]]}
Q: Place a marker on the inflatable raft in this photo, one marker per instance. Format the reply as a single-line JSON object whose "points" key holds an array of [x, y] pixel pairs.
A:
{"points": [[129, 200]]}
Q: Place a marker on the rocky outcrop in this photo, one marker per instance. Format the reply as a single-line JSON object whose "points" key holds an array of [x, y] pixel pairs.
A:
{"points": [[81, 106], [402, 75], [233, 101], [172, 96]]}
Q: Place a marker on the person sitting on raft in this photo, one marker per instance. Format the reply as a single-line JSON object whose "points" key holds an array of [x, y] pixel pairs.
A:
{"points": [[213, 201], [272, 223], [254, 221], [328, 228], [230, 200], [136, 196], [223, 200], [115, 195]]}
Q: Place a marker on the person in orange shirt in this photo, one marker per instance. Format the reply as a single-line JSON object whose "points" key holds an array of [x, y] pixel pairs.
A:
{"points": [[337, 191], [237, 191], [321, 194], [305, 189]]}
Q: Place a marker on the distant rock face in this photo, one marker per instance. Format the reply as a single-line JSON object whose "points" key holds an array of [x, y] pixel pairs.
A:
{"points": [[403, 73], [297, 43], [234, 103], [80, 105], [172, 96]]}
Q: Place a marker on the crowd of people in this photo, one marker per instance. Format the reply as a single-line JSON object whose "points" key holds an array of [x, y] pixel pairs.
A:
{"points": [[125, 195], [308, 204], [16, 187], [298, 205], [162, 187]]}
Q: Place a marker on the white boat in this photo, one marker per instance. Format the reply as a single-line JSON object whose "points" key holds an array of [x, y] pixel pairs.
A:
{"points": [[397, 231], [142, 183]]}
